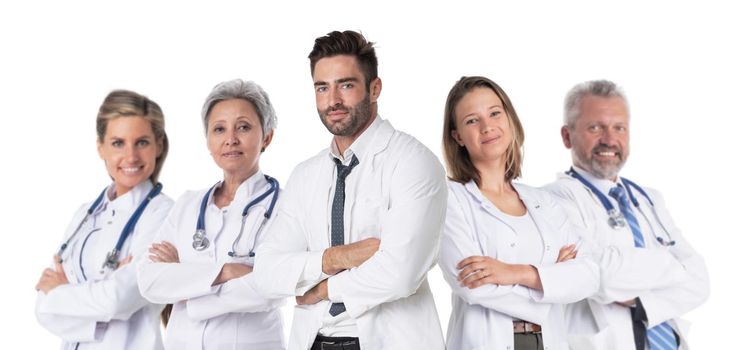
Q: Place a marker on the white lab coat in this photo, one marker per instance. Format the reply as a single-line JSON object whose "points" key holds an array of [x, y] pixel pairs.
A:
{"points": [[106, 311], [669, 281], [227, 316], [400, 198], [482, 318]]}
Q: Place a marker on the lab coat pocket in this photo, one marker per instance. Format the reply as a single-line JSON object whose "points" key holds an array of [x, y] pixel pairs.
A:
{"points": [[603, 340], [367, 217]]}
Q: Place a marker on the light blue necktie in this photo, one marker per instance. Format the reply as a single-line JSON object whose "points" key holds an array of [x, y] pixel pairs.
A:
{"points": [[337, 215], [661, 336]]}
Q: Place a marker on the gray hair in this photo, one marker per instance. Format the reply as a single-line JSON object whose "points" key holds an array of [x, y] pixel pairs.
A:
{"points": [[244, 90], [602, 88]]}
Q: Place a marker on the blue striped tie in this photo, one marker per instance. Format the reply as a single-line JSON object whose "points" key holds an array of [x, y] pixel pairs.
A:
{"points": [[661, 336]]}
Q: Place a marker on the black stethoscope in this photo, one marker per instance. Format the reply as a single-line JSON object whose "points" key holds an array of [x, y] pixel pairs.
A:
{"points": [[111, 259], [616, 219], [200, 242]]}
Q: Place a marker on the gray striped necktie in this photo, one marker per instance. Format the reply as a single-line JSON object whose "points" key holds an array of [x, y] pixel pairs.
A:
{"points": [[337, 215]]}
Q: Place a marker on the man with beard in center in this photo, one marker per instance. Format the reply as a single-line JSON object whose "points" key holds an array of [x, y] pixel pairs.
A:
{"points": [[359, 224], [650, 275]]}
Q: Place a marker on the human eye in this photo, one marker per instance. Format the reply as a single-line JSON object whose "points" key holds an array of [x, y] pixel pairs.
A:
{"points": [[347, 85], [117, 143], [470, 121], [594, 128], [495, 114], [244, 127], [620, 128], [142, 143], [321, 89]]}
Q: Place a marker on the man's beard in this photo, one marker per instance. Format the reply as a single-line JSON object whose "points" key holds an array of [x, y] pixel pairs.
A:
{"points": [[601, 169], [357, 118]]}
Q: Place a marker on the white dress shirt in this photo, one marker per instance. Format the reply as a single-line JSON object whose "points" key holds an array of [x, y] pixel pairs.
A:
{"points": [[668, 280], [102, 308], [397, 194], [482, 318], [229, 315]]}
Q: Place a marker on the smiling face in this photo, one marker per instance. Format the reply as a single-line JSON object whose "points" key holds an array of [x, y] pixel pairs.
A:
{"points": [[343, 102], [483, 126], [129, 150], [599, 138], [235, 139]]}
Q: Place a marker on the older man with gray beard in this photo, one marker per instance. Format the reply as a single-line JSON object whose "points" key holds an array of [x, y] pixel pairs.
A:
{"points": [[650, 274]]}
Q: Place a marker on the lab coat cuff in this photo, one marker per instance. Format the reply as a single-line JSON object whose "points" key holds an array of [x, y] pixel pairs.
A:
{"points": [[333, 295], [547, 281], [313, 270]]}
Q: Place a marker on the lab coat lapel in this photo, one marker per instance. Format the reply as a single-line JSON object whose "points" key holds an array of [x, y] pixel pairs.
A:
{"points": [[543, 221]]}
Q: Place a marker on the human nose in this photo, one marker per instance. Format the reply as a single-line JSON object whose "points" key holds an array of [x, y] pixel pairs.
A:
{"points": [[334, 97], [608, 137], [231, 138], [132, 154]]}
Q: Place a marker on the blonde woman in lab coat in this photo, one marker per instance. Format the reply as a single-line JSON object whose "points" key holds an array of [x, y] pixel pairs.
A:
{"points": [[203, 256], [90, 298], [507, 250]]}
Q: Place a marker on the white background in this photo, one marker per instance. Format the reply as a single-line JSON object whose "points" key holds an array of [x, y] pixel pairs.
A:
{"points": [[676, 61]]}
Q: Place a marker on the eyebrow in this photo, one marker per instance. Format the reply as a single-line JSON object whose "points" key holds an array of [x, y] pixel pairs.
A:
{"points": [[338, 81]]}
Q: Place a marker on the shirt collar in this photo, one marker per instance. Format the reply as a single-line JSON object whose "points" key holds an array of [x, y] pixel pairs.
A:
{"points": [[251, 187], [360, 146], [603, 185], [130, 200]]}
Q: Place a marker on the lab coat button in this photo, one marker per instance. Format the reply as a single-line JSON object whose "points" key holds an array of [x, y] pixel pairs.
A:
{"points": [[110, 222], [547, 247], [513, 245]]}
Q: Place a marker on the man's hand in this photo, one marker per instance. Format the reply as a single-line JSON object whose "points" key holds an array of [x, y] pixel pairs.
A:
{"points": [[314, 295], [343, 257]]}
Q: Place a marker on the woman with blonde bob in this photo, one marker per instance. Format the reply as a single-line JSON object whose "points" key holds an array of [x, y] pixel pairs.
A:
{"points": [[204, 254], [90, 298], [508, 251]]}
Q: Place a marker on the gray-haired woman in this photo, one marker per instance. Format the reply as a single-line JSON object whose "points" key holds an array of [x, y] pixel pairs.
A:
{"points": [[203, 260]]}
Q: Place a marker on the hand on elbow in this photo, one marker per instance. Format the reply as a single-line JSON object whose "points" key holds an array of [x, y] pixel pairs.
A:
{"points": [[164, 252], [343, 257], [314, 295]]}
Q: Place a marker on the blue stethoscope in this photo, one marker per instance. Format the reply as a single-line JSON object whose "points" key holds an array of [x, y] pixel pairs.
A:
{"points": [[111, 259], [616, 219], [200, 242]]}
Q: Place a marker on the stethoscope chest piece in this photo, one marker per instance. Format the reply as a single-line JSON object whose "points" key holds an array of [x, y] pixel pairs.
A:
{"points": [[616, 219], [199, 241]]}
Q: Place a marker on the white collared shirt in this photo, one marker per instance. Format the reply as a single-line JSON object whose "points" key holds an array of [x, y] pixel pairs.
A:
{"points": [[102, 308], [204, 316], [396, 193]]}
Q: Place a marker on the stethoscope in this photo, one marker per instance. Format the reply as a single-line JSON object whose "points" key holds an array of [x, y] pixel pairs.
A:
{"points": [[200, 242], [111, 259], [616, 219]]}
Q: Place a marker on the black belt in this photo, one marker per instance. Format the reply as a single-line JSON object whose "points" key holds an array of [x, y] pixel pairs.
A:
{"points": [[335, 343]]}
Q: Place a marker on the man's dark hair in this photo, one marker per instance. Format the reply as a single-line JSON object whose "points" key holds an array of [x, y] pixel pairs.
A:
{"points": [[348, 43]]}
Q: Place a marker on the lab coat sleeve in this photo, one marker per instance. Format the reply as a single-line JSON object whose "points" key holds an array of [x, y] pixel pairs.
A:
{"points": [[117, 296], [69, 328], [285, 266], [237, 295], [409, 239], [572, 280], [458, 241], [625, 272], [168, 283], [683, 295]]}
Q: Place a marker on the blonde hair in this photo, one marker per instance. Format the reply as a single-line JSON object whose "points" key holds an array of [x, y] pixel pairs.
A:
{"points": [[458, 162], [124, 103]]}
